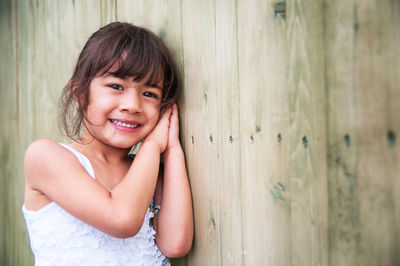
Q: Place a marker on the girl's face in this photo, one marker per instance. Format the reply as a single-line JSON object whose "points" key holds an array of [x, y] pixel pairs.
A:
{"points": [[121, 112]]}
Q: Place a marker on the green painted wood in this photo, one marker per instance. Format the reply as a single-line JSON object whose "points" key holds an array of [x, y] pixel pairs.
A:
{"points": [[289, 120]]}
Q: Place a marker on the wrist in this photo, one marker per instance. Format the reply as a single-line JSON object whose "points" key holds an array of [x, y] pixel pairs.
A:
{"points": [[152, 145], [173, 150]]}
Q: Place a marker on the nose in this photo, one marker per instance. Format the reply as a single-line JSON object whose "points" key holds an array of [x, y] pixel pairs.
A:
{"points": [[130, 102]]}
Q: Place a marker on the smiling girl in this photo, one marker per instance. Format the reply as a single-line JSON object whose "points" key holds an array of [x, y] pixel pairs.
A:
{"points": [[87, 202]]}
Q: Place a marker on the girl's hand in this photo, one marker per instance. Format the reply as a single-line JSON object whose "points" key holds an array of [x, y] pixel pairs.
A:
{"points": [[159, 135], [174, 236], [173, 133]]}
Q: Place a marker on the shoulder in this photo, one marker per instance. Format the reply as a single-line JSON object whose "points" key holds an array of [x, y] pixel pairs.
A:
{"points": [[39, 144], [39, 149], [42, 153], [43, 147]]}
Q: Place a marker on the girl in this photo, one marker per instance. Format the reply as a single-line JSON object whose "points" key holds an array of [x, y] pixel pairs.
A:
{"points": [[87, 203]]}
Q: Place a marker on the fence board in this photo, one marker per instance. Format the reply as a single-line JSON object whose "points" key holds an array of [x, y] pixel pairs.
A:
{"points": [[307, 133], [228, 134], [108, 11], [8, 114], [343, 201], [376, 197], [262, 62], [200, 120], [362, 133]]}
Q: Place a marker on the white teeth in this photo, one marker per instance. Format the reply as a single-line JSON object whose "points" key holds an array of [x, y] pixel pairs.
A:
{"points": [[118, 123]]}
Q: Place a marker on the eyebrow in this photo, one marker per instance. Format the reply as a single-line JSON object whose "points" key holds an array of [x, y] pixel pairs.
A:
{"points": [[157, 87]]}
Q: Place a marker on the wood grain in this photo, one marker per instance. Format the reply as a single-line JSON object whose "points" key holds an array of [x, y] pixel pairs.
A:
{"points": [[289, 120]]}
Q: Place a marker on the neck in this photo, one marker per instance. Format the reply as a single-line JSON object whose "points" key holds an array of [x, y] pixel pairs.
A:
{"points": [[99, 150]]}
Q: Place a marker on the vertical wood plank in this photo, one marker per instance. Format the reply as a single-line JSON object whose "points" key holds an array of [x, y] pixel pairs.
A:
{"points": [[307, 136], [377, 242], [254, 183], [108, 11], [8, 141], [391, 71], [264, 115], [200, 127], [228, 133], [143, 13], [362, 84], [24, 18], [342, 144]]}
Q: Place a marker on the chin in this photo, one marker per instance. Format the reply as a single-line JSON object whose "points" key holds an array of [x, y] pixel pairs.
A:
{"points": [[123, 143]]}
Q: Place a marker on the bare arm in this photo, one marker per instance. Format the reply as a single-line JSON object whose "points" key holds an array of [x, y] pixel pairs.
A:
{"points": [[120, 213], [174, 222]]}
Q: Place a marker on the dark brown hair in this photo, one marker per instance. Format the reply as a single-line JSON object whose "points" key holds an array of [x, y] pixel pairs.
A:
{"points": [[122, 50]]}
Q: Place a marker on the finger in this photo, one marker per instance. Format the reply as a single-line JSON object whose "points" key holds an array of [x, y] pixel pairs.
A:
{"points": [[175, 109], [174, 121], [167, 112], [165, 116], [174, 114]]}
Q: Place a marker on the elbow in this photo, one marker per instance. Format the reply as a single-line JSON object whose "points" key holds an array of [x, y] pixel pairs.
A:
{"points": [[124, 227], [124, 232], [177, 249]]}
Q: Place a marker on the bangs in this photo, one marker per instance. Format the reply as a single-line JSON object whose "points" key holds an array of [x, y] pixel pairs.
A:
{"points": [[132, 54]]}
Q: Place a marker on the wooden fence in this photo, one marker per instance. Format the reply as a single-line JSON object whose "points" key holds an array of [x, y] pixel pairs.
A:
{"points": [[289, 116]]}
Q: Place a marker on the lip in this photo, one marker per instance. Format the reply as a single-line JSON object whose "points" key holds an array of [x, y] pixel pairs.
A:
{"points": [[125, 129]]}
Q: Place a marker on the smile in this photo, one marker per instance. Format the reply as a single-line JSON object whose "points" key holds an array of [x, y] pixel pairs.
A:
{"points": [[122, 124]]}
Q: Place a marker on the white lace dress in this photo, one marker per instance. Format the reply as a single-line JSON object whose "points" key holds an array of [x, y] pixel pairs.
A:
{"points": [[58, 238]]}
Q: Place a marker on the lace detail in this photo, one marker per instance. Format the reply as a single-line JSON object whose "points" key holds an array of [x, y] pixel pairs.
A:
{"points": [[58, 238]]}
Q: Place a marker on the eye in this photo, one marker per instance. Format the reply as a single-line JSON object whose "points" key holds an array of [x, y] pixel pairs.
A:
{"points": [[150, 94], [116, 87]]}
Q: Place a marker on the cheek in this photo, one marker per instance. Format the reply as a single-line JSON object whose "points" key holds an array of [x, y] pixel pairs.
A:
{"points": [[95, 114], [153, 112], [154, 119], [90, 113]]}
